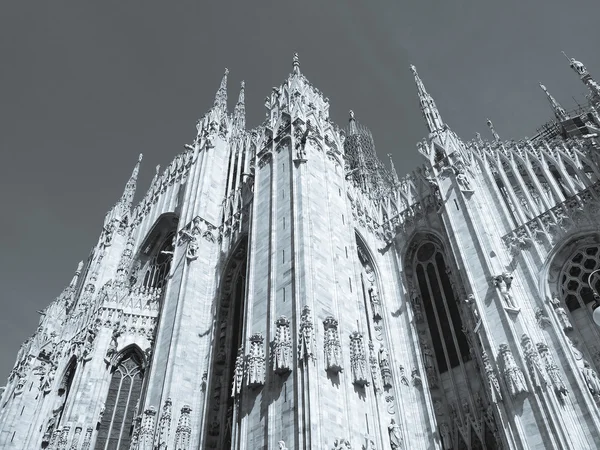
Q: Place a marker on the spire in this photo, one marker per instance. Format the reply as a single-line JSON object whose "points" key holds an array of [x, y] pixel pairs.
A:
{"points": [[394, 173], [239, 115], [428, 107], [221, 97], [76, 276], [491, 125], [585, 76], [296, 65], [124, 204], [559, 112]]}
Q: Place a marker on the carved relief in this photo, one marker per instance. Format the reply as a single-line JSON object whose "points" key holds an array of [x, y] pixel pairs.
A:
{"points": [[333, 349], [183, 430], [341, 444], [358, 360], [238, 374], [490, 373], [164, 425], [395, 435], [282, 347], [306, 338], [429, 364], [534, 363], [386, 370], [375, 304], [561, 314], [375, 371], [513, 375], [591, 378], [552, 369], [256, 361]]}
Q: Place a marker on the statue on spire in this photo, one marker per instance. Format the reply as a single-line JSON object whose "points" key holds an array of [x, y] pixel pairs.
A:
{"points": [[221, 97], [296, 65], [578, 67], [428, 106], [491, 125], [559, 112]]}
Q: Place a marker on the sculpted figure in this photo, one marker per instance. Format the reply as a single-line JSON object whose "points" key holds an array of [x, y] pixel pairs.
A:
{"points": [[561, 314], [395, 433], [503, 283], [375, 304], [282, 445]]}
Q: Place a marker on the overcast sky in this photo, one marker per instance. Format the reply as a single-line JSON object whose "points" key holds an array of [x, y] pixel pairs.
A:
{"points": [[86, 86]]}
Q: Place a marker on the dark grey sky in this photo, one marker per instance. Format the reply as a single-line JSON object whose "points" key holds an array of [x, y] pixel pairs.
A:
{"points": [[86, 86]]}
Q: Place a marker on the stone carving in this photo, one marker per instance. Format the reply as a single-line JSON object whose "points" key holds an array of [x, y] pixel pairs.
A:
{"points": [[333, 349], [88, 344], [164, 425], [490, 373], [534, 363], [101, 412], [49, 430], [282, 445], [369, 444], [63, 437], [513, 375], [306, 338], [541, 318], [76, 438], [591, 378], [503, 283], [146, 439], [238, 374], [561, 314], [112, 347], [446, 436], [375, 371], [403, 378], [301, 137], [463, 181], [375, 304], [386, 370], [197, 227], [256, 361], [416, 378], [472, 305], [358, 360], [282, 347], [341, 444], [552, 369], [184, 429], [395, 435], [429, 364], [417, 307], [87, 439]]}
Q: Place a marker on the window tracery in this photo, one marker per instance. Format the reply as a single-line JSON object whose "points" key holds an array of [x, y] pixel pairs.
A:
{"points": [[575, 290], [124, 393], [160, 265]]}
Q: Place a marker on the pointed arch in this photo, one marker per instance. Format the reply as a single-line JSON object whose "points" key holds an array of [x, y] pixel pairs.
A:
{"points": [[156, 251], [122, 400]]}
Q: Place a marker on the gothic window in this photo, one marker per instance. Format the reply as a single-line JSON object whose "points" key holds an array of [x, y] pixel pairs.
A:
{"points": [[120, 406], [441, 309], [156, 274], [576, 291], [64, 389]]}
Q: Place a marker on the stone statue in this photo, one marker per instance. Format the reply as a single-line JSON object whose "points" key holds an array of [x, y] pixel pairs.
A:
{"points": [[561, 314], [282, 445], [395, 433], [384, 364], [470, 301], [429, 364], [375, 304], [591, 379], [191, 252], [463, 181], [503, 283], [446, 437]]}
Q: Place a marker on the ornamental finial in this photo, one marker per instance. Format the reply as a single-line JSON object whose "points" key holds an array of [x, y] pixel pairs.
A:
{"points": [[296, 64]]}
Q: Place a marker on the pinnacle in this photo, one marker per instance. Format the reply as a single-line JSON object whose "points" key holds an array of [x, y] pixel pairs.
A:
{"points": [[296, 64]]}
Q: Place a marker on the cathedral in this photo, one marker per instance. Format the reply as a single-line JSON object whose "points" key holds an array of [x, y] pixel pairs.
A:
{"points": [[282, 288]]}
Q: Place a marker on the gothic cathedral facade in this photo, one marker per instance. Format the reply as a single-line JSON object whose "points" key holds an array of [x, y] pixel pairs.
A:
{"points": [[281, 288]]}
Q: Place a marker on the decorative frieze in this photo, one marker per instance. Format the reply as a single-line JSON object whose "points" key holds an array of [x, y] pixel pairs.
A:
{"points": [[306, 336], [513, 375], [332, 346], [256, 361], [358, 360], [282, 346]]}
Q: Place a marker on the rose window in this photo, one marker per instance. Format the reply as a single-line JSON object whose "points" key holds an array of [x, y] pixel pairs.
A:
{"points": [[575, 289]]}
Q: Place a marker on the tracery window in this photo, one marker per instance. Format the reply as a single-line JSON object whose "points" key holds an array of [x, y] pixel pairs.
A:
{"points": [[122, 400], [64, 389], [156, 274], [440, 305], [576, 291]]}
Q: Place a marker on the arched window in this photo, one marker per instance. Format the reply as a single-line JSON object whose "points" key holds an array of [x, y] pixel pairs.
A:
{"points": [[64, 389], [440, 305], [574, 286], [156, 274], [121, 402]]}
